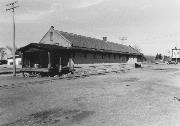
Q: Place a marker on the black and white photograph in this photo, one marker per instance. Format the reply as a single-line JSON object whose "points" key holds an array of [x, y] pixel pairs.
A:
{"points": [[89, 63]]}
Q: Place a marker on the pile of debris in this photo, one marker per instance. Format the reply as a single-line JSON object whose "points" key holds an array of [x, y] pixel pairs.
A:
{"points": [[90, 70]]}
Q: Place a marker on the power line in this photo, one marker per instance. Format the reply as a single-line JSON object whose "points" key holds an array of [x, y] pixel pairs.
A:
{"points": [[11, 7], [123, 39]]}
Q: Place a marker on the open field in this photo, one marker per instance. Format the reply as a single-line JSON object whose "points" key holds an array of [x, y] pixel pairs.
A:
{"points": [[148, 96]]}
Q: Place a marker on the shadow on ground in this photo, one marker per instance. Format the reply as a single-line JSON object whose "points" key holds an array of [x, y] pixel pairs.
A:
{"points": [[51, 117]]}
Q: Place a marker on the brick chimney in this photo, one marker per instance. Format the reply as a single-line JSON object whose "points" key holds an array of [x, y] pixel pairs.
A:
{"points": [[51, 33], [52, 27], [105, 39]]}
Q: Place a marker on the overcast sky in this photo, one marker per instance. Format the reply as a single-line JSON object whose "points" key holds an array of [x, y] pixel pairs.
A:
{"points": [[153, 25]]}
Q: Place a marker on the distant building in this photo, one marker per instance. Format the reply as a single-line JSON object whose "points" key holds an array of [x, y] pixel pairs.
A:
{"points": [[176, 54], [58, 49], [18, 60]]}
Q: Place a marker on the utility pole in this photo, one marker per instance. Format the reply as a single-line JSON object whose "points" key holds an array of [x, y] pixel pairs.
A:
{"points": [[123, 39], [11, 7]]}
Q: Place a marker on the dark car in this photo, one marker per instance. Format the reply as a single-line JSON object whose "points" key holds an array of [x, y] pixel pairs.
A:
{"points": [[3, 62], [171, 62]]}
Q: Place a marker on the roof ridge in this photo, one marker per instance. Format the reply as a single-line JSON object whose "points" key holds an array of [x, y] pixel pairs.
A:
{"points": [[90, 42], [83, 36]]}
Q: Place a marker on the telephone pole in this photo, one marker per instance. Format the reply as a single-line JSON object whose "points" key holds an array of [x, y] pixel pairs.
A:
{"points": [[11, 7], [123, 39]]}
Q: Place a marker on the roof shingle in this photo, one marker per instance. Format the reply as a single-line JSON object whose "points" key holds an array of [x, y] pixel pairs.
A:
{"points": [[93, 43]]}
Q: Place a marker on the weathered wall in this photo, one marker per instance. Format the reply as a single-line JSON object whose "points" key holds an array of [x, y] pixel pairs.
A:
{"points": [[83, 57], [52, 37]]}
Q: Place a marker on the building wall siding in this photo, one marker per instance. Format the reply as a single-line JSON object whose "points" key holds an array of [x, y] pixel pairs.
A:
{"points": [[52, 37], [99, 57]]}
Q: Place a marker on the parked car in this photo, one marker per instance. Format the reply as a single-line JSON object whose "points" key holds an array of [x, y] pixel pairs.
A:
{"points": [[171, 62], [156, 62], [3, 62]]}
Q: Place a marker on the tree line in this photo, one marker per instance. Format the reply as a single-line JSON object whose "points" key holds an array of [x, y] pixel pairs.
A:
{"points": [[4, 51], [161, 57]]}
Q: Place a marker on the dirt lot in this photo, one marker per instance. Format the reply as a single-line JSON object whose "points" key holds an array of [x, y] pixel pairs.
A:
{"points": [[148, 96]]}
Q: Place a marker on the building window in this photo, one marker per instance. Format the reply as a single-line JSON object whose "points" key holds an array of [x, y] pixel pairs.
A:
{"points": [[51, 36]]}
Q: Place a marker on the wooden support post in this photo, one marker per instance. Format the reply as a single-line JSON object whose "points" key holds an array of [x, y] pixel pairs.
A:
{"points": [[22, 63], [29, 62], [22, 59], [70, 63], [49, 60], [60, 66]]}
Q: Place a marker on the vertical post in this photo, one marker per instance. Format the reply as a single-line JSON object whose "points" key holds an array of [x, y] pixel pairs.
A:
{"points": [[70, 61], [60, 66], [22, 60], [22, 63], [12, 6], [14, 50], [49, 60]]}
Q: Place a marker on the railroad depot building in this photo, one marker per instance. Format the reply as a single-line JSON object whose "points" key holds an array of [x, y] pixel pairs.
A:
{"points": [[58, 49]]}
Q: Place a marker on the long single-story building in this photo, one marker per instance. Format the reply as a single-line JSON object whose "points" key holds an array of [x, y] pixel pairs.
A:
{"points": [[176, 55], [58, 49]]}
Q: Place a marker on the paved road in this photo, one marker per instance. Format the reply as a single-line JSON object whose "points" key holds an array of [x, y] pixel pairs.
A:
{"points": [[141, 97]]}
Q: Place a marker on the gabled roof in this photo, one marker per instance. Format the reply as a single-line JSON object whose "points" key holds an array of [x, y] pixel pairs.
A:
{"points": [[80, 41], [48, 47], [85, 43]]}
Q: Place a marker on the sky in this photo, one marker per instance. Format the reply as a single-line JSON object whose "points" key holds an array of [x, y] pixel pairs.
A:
{"points": [[152, 25]]}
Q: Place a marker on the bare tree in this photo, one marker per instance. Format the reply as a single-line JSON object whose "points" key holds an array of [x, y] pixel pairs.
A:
{"points": [[11, 49], [2, 53]]}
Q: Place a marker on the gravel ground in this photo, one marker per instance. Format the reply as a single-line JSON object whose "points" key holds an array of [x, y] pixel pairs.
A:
{"points": [[148, 96]]}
